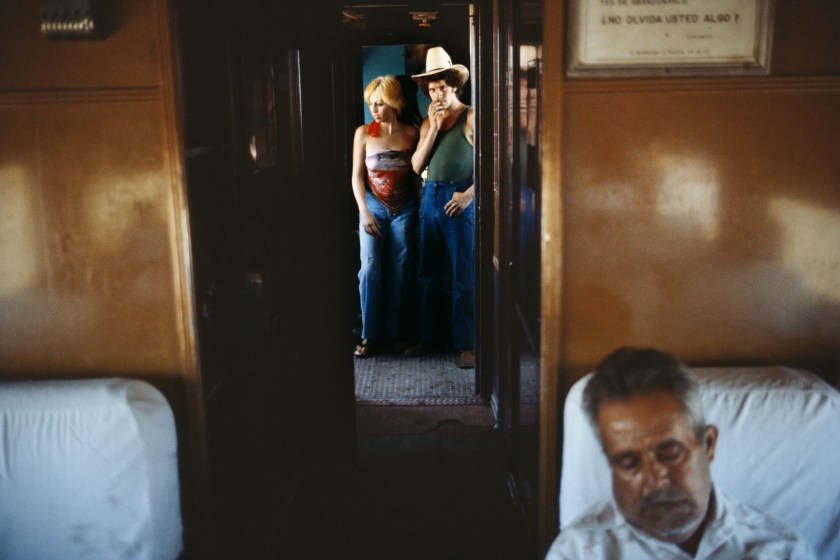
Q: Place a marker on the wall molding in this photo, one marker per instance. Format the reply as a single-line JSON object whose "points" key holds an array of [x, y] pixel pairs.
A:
{"points": [[80, 95], [694, 85]]}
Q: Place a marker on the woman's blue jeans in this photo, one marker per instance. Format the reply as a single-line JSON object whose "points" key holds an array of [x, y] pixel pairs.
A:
{"points": [[387, 269], [442, 237]]}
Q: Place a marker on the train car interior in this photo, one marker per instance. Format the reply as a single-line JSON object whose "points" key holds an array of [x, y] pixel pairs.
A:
{"points": [[179, 259]]}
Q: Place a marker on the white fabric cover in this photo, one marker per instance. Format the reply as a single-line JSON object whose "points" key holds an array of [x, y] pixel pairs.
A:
{"points": [[89, 470], [778, 449]]}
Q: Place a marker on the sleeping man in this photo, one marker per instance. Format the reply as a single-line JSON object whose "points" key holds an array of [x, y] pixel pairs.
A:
{"points": [[646, 408]]}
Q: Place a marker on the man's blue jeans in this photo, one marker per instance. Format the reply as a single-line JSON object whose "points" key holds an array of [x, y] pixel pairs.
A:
{"points": [[386, 272], [442, 237]]}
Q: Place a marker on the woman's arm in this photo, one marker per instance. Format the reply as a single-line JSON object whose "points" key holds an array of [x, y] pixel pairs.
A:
{"points": [[366, 220]]}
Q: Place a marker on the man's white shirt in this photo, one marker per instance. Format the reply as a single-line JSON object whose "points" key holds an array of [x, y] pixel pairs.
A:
{"points": [[737, 532]]}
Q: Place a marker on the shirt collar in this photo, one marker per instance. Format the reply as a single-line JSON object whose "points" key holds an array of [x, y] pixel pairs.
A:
{"points": [[716, 532]]}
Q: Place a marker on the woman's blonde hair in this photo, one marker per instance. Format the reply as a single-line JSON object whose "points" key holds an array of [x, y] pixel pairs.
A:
{"points": [[389, 89]]}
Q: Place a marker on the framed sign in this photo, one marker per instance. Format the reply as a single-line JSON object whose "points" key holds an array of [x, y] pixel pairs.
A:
{"points": [[668, 37]]}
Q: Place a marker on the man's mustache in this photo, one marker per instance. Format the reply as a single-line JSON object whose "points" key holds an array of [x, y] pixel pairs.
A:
{"points": [[667, 496]]}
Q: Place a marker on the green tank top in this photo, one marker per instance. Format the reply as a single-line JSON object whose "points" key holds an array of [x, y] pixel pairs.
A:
{"points": [[452, 154]]}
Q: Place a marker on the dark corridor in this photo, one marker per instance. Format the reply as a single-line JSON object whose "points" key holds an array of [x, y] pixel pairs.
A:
{"points": [[440, 494]]}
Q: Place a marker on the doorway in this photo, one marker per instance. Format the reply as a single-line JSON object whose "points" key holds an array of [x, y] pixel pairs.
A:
{"points": [[272, 237], [393, 40]]}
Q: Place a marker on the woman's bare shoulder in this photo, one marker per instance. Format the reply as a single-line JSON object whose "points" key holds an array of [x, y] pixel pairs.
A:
{"points": [[360, 137]]}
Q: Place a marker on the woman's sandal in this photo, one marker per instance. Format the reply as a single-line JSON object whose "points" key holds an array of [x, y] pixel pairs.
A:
{"points": [[363, 348]]}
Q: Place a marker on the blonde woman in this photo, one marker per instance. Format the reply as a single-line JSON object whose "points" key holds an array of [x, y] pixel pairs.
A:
{"points": [[384, 187]]}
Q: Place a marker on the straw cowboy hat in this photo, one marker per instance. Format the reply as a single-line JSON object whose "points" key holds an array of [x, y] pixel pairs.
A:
{"points": [[437, 61]]}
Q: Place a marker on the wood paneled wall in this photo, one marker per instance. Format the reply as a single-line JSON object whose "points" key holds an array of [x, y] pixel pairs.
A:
{"points": [[704, 220], [94, 265], [699, 215], [94, 252]]}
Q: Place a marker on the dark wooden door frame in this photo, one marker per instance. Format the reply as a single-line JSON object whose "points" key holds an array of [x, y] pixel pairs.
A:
{"points": [[552, 386], [483, 78], [485, 179]]}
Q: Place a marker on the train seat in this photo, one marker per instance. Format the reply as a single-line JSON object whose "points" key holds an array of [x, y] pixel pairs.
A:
{"points": [[88, 469]]}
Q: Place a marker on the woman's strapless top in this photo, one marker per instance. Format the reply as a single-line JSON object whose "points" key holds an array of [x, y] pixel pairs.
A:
{"points": [[389, 176]]}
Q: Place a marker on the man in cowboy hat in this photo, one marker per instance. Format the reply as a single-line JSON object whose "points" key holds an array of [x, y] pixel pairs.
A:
{"points": [[447, 216]]}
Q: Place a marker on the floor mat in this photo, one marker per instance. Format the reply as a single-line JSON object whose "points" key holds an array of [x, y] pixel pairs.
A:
{"points": [[428, 380]]}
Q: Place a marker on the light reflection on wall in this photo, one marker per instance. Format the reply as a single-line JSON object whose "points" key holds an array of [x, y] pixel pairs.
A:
{"points": [[687, 192], [18, 245], [116, 208], [811, 244]]}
